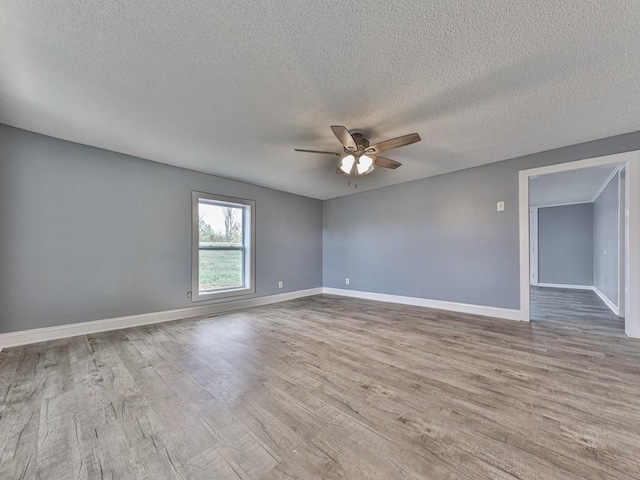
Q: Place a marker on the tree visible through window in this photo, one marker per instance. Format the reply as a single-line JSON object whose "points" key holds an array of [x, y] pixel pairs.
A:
{"points": [[223, 245]]}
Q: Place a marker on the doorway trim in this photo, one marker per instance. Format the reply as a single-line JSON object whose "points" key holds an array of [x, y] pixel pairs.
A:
{"points": [[622, 240], [630, 161], [533, 246]]}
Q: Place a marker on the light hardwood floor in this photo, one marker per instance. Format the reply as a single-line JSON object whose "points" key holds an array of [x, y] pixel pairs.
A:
{"points": [[582, 308], [327, 387]]}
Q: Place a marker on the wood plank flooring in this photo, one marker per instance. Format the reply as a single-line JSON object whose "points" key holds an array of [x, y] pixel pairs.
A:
{"points": [[582, 308], [327, 388]]}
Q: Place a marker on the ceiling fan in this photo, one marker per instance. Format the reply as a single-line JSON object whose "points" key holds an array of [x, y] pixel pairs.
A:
{"points": [[360, 158]]}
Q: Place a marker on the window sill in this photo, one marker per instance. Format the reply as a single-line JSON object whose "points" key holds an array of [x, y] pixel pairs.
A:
{"points": [[235, 292]]}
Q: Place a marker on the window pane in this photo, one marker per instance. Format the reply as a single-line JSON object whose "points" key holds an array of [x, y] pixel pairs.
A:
{"points": [[221, 256], [220, 269], [220, 225]]}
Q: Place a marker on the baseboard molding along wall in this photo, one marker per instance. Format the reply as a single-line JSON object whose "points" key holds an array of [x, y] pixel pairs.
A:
{"points": [[565, 285], [36, 335], [612, 306], [496, 312]]}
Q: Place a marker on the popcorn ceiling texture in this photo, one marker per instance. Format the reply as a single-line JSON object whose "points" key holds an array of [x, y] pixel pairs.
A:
{"points": [[230, 88]]}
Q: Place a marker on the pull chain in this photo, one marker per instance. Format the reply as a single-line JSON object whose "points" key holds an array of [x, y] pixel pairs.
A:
{"points": [[352, 173]]}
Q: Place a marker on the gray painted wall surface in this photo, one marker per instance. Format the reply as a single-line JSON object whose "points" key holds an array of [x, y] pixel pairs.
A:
{"points": [[441, 237], [605, 239], [565, 244], [88, 234]]}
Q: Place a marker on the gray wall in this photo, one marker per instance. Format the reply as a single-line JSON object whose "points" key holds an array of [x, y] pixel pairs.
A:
{"points": [[441, 237], [605, 241], [88, 234], [565, 244]]}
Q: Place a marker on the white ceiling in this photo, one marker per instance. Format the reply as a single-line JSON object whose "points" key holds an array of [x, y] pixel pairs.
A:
{"points": [[577, 186], [231, 88]]}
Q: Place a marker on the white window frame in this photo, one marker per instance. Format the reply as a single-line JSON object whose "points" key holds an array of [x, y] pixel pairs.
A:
{"points": [[248, 240]]}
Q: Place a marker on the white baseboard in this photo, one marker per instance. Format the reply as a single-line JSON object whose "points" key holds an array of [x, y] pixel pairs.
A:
{"points": [[496, 312], [612, 306], [564, 285], [36, 335]]}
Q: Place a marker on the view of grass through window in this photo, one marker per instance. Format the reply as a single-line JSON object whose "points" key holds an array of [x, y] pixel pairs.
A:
{"points": [[221, 250]]}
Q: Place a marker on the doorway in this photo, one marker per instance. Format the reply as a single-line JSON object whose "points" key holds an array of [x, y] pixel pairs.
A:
{"points": [[579, 228]]}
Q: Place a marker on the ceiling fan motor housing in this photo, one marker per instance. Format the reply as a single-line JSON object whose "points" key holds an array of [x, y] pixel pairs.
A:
{"points": [[361, 142]]}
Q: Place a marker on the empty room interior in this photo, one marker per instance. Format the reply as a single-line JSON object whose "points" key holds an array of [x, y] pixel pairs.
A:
{"points": [[328, 240], [577, 245]]}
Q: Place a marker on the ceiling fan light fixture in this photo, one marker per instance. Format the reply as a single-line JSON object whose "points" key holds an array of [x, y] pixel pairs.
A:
{"points": [[365, 164], [347, 163], [360, 157]]}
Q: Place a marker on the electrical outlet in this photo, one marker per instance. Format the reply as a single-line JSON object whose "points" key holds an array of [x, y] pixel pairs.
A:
{"points": [[500, 206], [346, 281], [189, 295], [280, 284]]}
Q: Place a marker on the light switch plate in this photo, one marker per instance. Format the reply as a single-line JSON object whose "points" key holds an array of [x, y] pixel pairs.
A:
{"points": [[500, 206]]}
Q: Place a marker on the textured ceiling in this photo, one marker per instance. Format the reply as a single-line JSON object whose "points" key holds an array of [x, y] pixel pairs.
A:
{"points": [[576, 186], [232, 87]]}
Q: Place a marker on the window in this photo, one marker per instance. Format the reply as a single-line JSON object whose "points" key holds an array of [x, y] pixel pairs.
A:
{"points": [[223, 250]]}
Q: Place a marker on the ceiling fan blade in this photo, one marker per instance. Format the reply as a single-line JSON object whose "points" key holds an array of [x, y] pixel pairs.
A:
{"points": [[317, 151], [385, 162], [394, 143], [345, 138]]}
